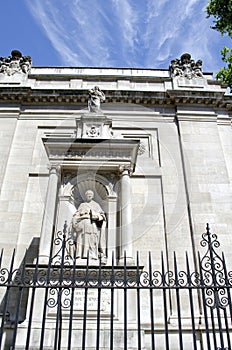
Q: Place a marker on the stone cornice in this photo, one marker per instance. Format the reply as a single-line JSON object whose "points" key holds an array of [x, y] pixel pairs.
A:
{"points": [[94, 153], [27, 96], [215, 98]]}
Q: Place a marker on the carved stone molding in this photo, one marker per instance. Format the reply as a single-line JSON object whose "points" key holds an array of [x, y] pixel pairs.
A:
{"points": [[169, 97], [94, 126], [93, 131], [125, 170], [90, 153], [142, 148], [54, 168]]}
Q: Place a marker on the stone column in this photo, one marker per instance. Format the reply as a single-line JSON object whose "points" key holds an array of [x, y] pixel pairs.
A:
{"points": [[112, 228], [49, 214], [126, 217]]}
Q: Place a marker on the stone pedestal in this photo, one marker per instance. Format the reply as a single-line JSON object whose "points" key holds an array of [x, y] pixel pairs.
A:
{"points": [[93, 125]]}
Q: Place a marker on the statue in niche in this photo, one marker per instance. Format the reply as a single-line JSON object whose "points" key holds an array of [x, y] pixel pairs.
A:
{"points": [[88, 227], [96, 96]]}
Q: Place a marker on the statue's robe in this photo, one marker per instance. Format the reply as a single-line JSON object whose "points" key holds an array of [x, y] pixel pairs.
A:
{"points": [[89, 233]]}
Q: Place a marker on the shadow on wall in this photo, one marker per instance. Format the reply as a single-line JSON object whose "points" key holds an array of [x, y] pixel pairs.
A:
{"points": [[14, 302]]}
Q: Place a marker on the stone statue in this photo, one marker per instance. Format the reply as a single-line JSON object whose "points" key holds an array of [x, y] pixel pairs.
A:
{"points": [[186, 67], [15, 63], [88, 229], [96, 96], [175, 68], [198, 69]]}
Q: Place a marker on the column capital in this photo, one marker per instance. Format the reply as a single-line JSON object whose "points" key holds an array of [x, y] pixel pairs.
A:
{"points": [[125, 170], [54, 168]]}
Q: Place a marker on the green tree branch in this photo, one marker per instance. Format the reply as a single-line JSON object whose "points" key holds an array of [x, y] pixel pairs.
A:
{"points": [[221, 10]]}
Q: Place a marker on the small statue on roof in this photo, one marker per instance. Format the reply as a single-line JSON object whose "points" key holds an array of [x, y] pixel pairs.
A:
{"points": [[15, 63], [96, 96], [186, 67]]}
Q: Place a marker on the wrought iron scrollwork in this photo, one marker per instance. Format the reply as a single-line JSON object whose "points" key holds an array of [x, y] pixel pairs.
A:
{"points": [[61, 297], [64, 246], [214, 278], [63, 273], [70, 289]]}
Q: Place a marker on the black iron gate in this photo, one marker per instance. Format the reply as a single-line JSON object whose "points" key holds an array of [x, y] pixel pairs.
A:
{"points": [[63, 305]]}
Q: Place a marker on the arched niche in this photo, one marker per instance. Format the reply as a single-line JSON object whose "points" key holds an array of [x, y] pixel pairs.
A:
{"points": [[72, 194], [70, 180], [100, 192]]}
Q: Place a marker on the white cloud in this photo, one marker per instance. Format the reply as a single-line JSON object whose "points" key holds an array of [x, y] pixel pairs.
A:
{"points": [[127, 19], [52, 29], [74, 31], [146, 33], [180, 27]]}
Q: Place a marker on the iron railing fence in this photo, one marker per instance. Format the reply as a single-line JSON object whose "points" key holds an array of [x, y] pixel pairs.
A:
{"points": [[64, 305]]}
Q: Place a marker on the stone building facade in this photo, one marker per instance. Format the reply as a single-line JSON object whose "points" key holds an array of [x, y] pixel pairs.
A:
{"points": [[155, 150]]}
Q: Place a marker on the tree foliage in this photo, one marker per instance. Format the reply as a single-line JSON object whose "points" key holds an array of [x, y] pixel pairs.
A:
{"points": [[221, 10], [225, 73]]}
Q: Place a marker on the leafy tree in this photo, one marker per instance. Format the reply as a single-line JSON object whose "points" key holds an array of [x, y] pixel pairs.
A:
{"points": [[221, 10]]}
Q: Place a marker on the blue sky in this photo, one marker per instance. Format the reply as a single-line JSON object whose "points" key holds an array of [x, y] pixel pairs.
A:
{"points": [[110, 33]]}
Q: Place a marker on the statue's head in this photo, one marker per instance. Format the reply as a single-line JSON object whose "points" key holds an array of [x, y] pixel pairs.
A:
{"points": [[89, 195]]}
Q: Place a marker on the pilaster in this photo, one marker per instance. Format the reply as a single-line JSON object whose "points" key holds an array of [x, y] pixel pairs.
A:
{"points": [[49, 213], [126, 217]]}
